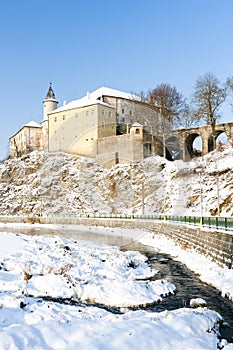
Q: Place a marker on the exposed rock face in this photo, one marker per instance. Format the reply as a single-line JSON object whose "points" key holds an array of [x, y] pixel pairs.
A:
{"points": [[44, 183]]}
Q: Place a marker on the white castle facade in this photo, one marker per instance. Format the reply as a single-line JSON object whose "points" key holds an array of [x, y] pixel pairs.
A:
{"points": [[109, 125]]}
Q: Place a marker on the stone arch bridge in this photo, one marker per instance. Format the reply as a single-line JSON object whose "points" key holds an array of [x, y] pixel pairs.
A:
{"points": [[179, 143]]}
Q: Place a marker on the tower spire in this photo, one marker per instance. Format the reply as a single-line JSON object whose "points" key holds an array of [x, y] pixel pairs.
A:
{"points": [[50, 94], [50, 102]]}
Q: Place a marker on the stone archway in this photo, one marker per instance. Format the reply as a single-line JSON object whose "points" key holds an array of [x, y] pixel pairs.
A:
{"points": [[173, 149], [221, 136], [187, 137], [190, 151], [217, 138]]}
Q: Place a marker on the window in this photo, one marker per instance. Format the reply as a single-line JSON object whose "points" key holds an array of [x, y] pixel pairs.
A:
{"points": [[137, 131], [102, 111], [123, 120], [64, 117], [123, 111], [87, 113], [92, 112], [76, 115], [86, 139], [130, 112], [55, 119], [102, 125], [110, 114]]}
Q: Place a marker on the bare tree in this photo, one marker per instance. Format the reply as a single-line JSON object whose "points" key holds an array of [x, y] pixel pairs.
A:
{"points": [[209, 95], [168, 100], [229, 84], [186, 118]]}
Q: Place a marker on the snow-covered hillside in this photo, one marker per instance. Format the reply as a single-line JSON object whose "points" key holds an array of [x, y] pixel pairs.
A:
{"points": [[44, 183]]}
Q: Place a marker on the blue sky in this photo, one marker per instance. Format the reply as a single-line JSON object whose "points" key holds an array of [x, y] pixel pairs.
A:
{"points": [[130, 45]]}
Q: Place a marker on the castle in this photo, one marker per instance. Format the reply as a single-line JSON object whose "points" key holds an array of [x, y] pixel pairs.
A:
{"points": [[109, 125]]}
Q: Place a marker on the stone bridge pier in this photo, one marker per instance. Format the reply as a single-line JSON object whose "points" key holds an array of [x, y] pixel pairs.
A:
{"points": [[179, 143]]}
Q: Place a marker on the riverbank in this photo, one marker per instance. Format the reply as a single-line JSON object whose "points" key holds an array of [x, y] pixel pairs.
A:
{"points": [[209, 272], [49, 285]]}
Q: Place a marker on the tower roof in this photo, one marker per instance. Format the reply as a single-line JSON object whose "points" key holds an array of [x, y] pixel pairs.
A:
{"points": [[50, 94]]}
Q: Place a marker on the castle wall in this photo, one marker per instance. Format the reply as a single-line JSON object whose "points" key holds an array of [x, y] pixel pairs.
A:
{"points": [[120, 149], [131, 111], [76, 131], [44, 135], [26, 140]]}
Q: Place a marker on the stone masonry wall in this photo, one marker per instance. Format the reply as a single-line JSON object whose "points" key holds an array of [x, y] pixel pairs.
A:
{"points": [[216, 245], [128, 147]]}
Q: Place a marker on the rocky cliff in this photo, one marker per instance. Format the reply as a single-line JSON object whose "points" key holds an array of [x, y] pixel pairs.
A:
{"points": [[43, 183]]}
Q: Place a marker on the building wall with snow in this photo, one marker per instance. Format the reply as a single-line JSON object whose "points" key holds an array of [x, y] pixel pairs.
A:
{"points": [[26, 140], [129, 111]]}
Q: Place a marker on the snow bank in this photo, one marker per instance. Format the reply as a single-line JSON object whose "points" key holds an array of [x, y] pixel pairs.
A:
{"points": [[65, 327], [61, 269], [9, 243]]}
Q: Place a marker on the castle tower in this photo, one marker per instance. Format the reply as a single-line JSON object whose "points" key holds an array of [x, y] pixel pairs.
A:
{"points": [[49, 103]]}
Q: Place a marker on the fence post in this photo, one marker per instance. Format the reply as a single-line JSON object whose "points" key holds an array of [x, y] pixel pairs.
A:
{"points": [[201, 221]]}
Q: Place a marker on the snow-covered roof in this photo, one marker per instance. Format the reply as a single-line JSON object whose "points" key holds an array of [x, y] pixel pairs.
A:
{"points": [[105, 91], [82, 102], [33, 124], [95, 98], [136, 125]]}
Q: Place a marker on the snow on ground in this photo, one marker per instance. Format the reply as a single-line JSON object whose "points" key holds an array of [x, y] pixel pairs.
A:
{"points": [[208, 271], [60, 268], [53, 184], [40, 274]]}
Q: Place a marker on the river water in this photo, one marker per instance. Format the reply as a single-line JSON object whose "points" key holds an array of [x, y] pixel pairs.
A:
{"points": [[188, 285]]}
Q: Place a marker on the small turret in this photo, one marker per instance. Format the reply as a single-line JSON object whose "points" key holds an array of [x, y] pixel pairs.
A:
{"points": [[50, 102]]}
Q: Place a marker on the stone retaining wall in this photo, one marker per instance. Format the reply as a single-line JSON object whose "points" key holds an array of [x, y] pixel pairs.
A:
{"points": [[216, 245]]}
